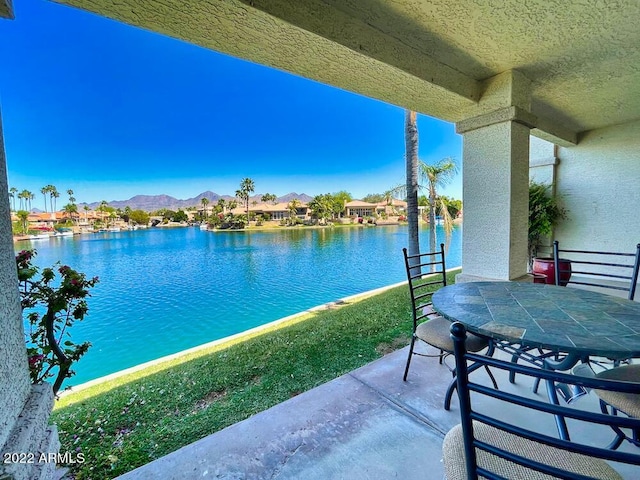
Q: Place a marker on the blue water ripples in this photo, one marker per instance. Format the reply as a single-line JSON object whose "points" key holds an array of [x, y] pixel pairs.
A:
{"points": [[164, 290]]}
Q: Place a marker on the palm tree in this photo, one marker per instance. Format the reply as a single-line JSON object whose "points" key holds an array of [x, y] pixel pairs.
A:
{"points": [[323, 207], [411, 156], [86, 213], [30, 198], [438, 175], [269, 198], [247, 187], [70, 209], [102, 208], [54, 195], [44, 191], [25, 200], [205, 202], [222, 205], [293, 210], [12, 194], [49, 189], [23, 216]]}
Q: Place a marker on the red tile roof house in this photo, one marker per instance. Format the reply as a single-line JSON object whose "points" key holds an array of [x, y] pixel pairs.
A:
{"points": [[544, 90]]}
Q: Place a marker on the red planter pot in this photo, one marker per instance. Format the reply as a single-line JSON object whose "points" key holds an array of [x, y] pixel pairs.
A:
{"points": [[544, 266]]}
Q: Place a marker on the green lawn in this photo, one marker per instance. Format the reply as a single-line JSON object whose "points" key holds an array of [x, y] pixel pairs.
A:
{"points": [[124, 423]]}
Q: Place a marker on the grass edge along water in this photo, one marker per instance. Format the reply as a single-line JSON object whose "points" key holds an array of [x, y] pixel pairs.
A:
{"points": [[131, 420]]}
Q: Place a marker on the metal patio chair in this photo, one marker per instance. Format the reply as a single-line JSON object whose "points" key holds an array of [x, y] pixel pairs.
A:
{"points": [[598, 270], [426, 272], [491, 443], [615, 403]]}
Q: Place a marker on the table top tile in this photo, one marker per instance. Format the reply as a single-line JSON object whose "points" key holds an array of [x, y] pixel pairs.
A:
{"points": [[556, 318]]}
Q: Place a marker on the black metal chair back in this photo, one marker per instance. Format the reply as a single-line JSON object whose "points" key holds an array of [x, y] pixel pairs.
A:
{"points": [[610, 270], [528, 447], [432, 266]]}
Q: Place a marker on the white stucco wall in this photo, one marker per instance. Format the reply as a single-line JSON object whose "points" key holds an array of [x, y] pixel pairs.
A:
{"points": [[494, 182], [542, 161], [14, 373], [599, 184]]}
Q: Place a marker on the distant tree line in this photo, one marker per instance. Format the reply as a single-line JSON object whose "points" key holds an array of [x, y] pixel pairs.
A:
{"points": [[324, 207]]}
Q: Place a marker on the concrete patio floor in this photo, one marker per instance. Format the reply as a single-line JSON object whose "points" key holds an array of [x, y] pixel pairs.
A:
{"points": [[367, 424]]}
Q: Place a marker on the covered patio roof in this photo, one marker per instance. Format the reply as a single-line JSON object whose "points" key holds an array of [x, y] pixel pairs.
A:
{"points": [[434, 56]]}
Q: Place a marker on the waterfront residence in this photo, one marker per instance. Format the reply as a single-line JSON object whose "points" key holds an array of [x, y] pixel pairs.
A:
{"points": [[392, 207], [545, 90], [358, 208], [278, 211]]}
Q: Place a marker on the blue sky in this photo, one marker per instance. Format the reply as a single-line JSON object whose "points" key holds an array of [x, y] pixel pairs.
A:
{"points": [[112, 111]]}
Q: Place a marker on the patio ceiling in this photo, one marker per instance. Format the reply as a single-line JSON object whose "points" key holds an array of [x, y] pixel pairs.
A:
{"points": [[582, 57]]}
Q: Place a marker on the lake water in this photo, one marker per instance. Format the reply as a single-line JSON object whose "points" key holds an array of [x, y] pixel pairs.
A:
{"points": [[165, 290]]}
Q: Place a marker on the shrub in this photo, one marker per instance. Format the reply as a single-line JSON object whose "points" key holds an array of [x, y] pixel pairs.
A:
{"points": [[51, 309]]}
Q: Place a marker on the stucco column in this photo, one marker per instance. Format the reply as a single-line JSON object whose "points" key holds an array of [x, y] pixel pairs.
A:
{"points": [[14, 373], [496, 182]]}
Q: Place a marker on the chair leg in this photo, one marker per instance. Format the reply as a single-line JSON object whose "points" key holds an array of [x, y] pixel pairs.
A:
{"points": [[493, 379], [620, 436], [453, 385], [491, 348], [536, 384], [512, 374], [406, 369], [450, 390]]}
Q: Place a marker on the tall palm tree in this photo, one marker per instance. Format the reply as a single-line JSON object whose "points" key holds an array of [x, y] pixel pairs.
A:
{"points": [[247, 187], [54, 195], [44, 191], [12, 193], [438, 175], [205, 202], [411, 157], [49, 189], [25, 199]]}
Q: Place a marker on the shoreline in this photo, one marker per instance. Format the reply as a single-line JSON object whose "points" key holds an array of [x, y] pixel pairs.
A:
{"points": [[254, 228], [231, 339]]}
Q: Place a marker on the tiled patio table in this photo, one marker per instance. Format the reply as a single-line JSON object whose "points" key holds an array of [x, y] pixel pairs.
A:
{"points": [[578, 323]]}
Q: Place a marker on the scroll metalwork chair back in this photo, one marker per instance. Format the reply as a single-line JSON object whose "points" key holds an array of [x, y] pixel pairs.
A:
{"points": [[494, 440], [597, 269], [426, 272], [600, 270]]}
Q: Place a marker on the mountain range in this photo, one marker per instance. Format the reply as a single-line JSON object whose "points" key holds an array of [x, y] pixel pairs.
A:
{"points": [[155, 202]]}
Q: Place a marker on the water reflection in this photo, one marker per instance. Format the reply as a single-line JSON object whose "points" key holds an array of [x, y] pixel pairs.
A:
{"points": [[165, 290]]}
